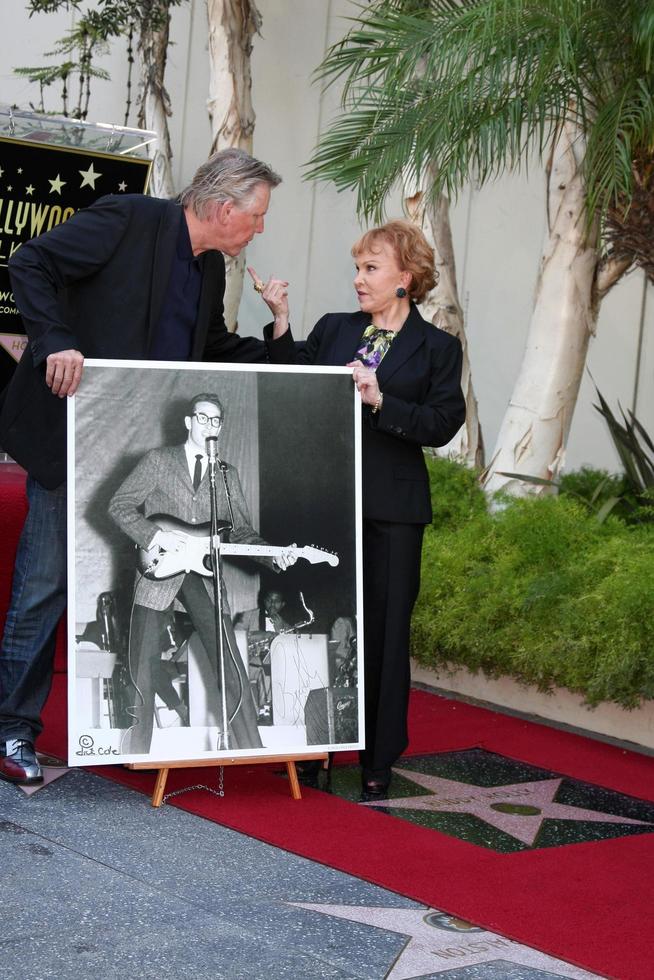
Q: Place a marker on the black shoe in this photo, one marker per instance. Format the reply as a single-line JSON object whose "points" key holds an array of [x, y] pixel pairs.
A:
{"points": [[375, 783], [308, 768], [18, 762]]}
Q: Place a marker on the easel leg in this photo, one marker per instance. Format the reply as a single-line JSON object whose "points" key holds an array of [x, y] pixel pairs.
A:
{"points": [[159, 787], [294, 782], [162, 773]]}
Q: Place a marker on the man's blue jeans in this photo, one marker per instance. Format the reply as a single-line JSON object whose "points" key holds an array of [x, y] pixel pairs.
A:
{"points": [[38, 599]]}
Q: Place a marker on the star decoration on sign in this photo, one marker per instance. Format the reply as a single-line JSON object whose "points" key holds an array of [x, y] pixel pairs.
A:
{"points": [[29, 189], [1, 171], [9, 187], [89, 177], [122, 186], [19, 170], [518, 809], [56, 184], [439, 943]]}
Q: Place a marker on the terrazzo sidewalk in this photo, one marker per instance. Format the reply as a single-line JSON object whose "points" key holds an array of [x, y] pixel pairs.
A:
{"points": [[96, 883]]}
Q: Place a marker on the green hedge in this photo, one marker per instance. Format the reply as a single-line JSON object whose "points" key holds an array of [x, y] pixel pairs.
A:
{"points": [[540, 590]]}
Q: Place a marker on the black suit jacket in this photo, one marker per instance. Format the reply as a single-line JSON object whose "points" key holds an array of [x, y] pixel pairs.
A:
{"points": [[420, 378], [96, 284]]}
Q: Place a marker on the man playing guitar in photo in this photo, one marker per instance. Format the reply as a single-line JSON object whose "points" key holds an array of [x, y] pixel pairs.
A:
{"points": [[162, 505]]}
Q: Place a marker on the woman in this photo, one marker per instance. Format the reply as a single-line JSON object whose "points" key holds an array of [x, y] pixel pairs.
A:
{"points": [[409, 375]]}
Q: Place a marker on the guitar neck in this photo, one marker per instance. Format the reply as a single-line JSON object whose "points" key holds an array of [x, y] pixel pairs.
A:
{"points": [[308, 552], [256, 550]]}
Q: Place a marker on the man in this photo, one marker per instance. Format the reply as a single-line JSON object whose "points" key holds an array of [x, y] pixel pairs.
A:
{"points": [[267, 617], [129, 277], [179, 476]]}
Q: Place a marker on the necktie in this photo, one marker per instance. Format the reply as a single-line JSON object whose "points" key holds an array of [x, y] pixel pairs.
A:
{"points": [[197, 471]]}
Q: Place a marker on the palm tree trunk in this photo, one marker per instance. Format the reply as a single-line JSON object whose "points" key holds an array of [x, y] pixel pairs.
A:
{"points": [[232, 25], [535, 428], [443, 308], [154, 103]]}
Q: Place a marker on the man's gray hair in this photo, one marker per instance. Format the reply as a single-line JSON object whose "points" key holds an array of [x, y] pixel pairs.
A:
{"points": [[228, 175]]}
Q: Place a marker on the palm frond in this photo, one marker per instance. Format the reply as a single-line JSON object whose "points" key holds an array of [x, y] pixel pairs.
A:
{"points": [[644, 35], [477, 86], [46, 74], [622, 127]]}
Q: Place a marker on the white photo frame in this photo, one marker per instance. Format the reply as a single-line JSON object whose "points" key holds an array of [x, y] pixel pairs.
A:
{"points": [[293, 435]]}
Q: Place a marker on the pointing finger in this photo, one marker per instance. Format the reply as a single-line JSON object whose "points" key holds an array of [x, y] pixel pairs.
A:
{"points": [[258, 284]]}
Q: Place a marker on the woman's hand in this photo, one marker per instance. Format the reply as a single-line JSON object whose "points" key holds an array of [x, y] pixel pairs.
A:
{"points": [[274, 293], [366, 381]]}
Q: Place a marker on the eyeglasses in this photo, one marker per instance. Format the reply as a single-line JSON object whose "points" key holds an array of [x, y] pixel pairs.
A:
{"points": [[215, 420]]}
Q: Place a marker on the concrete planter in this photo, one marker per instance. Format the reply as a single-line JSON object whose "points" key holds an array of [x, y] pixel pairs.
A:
{"points": [[561, 706]]}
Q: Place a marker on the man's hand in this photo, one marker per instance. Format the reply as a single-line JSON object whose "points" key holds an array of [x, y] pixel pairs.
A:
{"points": [[274, 293], [169, 540], [287, 557], [63, 372]]}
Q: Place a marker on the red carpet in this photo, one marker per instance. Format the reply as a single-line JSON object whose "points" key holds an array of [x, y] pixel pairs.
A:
{"points": [[586, 903]]}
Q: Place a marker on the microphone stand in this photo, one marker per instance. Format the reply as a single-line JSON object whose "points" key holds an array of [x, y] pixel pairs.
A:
{"points": [[216, 576]]}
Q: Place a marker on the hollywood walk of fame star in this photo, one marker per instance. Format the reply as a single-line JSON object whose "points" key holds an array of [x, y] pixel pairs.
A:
{"points": [[434, 947], [56, 184], [50, 774], [89, 177], [516, 808]]}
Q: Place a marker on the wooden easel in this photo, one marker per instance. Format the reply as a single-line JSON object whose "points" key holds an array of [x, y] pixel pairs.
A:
{"points": [[165, 767]]}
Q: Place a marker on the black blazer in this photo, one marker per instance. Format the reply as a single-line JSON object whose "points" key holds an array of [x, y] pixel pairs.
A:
{"points": [[420, 378], [96, 284]]}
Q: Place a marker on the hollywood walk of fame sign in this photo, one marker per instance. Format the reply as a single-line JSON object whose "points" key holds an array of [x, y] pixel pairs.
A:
{"points": [[48, 170], [439, 943]]}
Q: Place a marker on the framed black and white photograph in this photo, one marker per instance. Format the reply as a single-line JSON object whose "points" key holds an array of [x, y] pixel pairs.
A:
{"points": [[214, 573]]}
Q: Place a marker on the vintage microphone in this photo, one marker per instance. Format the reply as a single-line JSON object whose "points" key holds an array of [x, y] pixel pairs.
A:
{"points": [[211, 445]]}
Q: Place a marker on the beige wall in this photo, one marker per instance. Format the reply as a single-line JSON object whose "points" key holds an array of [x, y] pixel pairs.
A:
{"points": [[497, 231]]}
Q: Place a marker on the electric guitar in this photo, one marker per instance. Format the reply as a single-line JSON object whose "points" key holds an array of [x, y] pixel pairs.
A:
{"points": [[194, 551]]}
